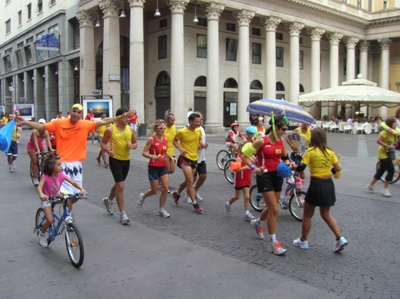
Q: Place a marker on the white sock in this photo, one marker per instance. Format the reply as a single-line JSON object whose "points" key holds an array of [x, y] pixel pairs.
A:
{"points": [[272, 238], [194, 202], [247, 212]]}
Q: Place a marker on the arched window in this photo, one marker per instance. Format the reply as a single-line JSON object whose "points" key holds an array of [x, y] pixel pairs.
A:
{"points": [[230, 83], [256, 85], [279, 86], [301, 88], [201, 81], [163, 79]]}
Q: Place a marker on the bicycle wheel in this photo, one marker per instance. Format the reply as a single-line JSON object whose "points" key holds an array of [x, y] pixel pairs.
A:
{"points": [[229, 175], [396, 175], [296, 205], [40, 218], [221, 158], [73, 241], [38, 175], [256, 199]]}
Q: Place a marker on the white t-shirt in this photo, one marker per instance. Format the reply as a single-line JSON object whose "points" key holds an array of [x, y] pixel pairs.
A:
{"points": [[202, 152]]}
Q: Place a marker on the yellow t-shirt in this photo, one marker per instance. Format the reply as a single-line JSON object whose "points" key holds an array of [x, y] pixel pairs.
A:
{"points": [[306, 136], [118, 142], [320, 165], [101, 129], [170, 133], [388, 138], [189, 140]]}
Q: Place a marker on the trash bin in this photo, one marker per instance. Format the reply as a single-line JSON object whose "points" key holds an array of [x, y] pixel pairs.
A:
{"points": [[142, 130]]}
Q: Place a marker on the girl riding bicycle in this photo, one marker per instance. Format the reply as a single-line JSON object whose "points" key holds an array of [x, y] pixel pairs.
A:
{"points": [[231, 138], [36, 144], [50, 185]]}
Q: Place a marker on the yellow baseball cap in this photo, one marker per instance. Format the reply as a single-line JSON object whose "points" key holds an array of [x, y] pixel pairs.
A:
{"points": [[77, 106]]}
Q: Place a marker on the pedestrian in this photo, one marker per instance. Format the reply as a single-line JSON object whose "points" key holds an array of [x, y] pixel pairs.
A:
{"points": [[188, 141], [50, 185], [387, 144], [12, 153], [134, 120], [321, 161], [200, 174], [90, 117], [190, 111], [100, 134], [71, 134], [242, 184], [166, 113], [156, 151], [169, 133], [38, 142], [121, 138], [270, 150], [260, 127]]}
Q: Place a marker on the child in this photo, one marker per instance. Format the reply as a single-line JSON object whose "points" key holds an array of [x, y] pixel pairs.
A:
{"points": [[321, 192], [50, 185], [242, 183], [232, 138]]}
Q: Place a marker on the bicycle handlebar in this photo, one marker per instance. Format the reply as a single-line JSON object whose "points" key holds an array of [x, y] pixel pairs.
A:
{"points": [[66, 197]]}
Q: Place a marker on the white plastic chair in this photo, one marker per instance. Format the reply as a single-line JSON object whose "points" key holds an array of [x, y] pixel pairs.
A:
{"points": [[347, 128]]}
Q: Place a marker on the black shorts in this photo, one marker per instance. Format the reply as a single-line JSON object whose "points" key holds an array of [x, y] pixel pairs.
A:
{"points": [[201, 168], [185, 161], [119, 169], [321, 193], [269, 181], [154, 173], [241, 188]]}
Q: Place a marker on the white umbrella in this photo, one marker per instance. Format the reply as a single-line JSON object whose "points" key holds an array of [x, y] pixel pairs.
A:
{"points": [[359, 91]]}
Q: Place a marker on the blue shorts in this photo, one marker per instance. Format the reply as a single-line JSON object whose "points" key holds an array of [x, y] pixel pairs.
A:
{"points": [[13, 151], [154, 173]]}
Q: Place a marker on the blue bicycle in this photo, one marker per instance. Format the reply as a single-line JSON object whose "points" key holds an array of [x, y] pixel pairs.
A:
{"points": [[63, 222]]}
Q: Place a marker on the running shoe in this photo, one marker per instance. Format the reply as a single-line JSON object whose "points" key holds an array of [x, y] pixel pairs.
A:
{"points": [[386, 192], [370, 189], [42, 240], [163, 213], [124, 218], [276, 248], [140, 201], [198, 197], [11, 168], [339, 245], [256, 223], [285, 203], [197, 208], [248, 216], [108, 205], [175, 196], [105, 165], [98, 160], [228, 208], [187, 199], [299, 243]]}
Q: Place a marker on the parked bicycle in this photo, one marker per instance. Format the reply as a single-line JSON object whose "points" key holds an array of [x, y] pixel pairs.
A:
{"points": [[63, 222], [39, 158], [293, 195]]}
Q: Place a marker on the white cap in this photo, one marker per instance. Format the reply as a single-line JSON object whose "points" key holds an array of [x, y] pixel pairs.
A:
{"points": [[42, 121]]}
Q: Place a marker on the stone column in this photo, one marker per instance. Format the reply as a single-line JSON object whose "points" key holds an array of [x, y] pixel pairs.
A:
{"points": [[270, 25], [66, 86], [214, 121], [385, 68], [364, 45], [294, 30], [177, 8], [111, 50], [315, 34], [351, 58], [243, 19], [87, 65], [136, 58], [334, 40]]}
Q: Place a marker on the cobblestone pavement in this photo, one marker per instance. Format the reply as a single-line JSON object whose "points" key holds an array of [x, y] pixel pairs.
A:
{"points": [[367, 268]]}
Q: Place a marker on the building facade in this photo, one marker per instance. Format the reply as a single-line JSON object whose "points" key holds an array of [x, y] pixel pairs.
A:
{"points": [[213, 56]]}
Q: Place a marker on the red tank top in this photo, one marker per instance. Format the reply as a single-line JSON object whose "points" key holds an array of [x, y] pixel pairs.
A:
{"points": [[269, 155], [159, 150], [243, 178]]}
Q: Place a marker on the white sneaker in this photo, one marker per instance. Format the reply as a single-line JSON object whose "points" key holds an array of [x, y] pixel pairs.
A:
{"points": [[385, 192], [258, 227], [339, 244], [35, 181], [187, 199], [276, 248], [228, 208], [108, 205], [198, 197], [299, 243], [42, 240], [124, 218], [11, 168], [370, 189], [140, 201], [163, 213], [248, 216]]}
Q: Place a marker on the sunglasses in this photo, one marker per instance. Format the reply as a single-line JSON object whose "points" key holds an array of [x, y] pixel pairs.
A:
{"points": [[284, 129], [161, 128]]}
